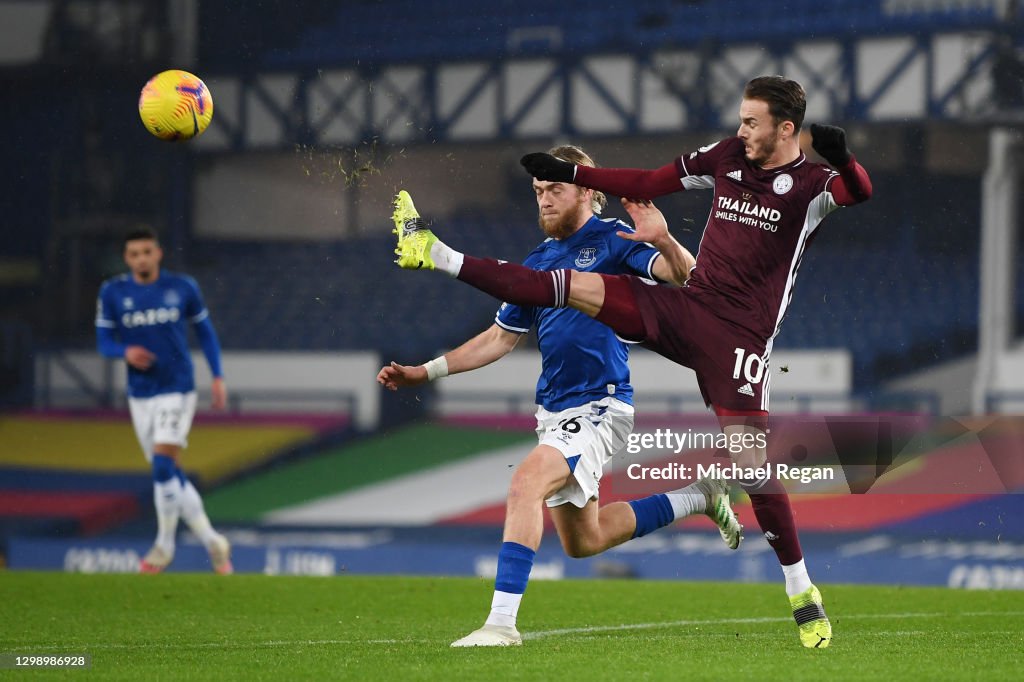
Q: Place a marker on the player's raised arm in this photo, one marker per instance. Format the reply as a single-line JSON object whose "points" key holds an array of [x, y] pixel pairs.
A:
{"points": [[623, 182], [675, 260], [853, 185], [492, 344]]}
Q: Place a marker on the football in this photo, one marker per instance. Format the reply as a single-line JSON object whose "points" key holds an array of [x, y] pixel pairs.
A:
{"points": [[175, 105]]}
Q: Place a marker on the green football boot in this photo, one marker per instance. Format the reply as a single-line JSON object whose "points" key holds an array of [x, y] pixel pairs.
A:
{"points": [[815, 630], [414, 239]]}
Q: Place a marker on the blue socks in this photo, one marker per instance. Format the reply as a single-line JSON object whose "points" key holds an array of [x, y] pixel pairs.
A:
{"points": [[651, 513], [514, 564], [164, 468]]}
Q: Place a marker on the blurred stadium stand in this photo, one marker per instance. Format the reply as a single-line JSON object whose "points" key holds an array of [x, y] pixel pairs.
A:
{"points": [[366, 31]]}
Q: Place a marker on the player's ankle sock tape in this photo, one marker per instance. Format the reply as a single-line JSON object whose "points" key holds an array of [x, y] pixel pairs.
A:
{"points": [[517, 284], [651, 514], [514, 564], [164, 468]]}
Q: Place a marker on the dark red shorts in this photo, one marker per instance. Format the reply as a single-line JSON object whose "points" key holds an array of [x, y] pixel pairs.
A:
{"points": [[731, 363]]}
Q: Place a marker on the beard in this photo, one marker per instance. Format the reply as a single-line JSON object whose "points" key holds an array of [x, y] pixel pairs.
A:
{"points": [[564, 225], [767, 150]]}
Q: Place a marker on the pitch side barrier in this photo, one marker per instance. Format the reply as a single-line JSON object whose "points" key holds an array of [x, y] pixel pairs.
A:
{"points": [[258, 382], [869, 558]]}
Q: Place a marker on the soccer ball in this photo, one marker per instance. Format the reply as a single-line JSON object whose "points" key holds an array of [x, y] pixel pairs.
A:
{"points": [[175, 105]]}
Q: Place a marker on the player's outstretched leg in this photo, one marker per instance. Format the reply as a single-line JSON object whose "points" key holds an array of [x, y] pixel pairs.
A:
{"points": [[419, 248], [706, 496], [815, 628]]}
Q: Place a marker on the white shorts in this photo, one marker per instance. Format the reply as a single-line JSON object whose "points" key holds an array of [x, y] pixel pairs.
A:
{"points": [[587, 436], [164, 419]]}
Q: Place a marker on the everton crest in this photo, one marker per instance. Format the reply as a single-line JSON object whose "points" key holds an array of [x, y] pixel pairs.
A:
{"points": [[587, 257]]}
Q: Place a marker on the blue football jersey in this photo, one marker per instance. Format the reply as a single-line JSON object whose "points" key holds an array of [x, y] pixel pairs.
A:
{"points": [[155, 316], [581, 359]]}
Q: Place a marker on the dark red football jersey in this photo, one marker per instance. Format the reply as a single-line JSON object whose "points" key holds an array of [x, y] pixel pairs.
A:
{"points": [[761, 223]]}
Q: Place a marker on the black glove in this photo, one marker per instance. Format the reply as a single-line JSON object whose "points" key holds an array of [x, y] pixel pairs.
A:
{"points": [[546, 167], [830, 143]]}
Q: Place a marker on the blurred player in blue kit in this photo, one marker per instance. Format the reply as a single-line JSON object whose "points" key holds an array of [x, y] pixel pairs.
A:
{"points": [[585, 402], [143, 317]]}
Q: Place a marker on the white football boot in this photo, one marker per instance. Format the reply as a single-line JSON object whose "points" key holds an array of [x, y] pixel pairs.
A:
{"points": [[491, 635]]}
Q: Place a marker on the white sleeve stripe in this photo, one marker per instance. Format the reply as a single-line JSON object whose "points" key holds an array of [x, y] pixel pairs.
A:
{"points": [[509, 327], [699, 182], [650, 265], [682, 161], [202, 315], [558, 279], [105, 323]]}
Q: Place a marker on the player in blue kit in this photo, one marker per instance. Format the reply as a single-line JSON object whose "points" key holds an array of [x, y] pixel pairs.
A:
{"points": [[143, 317], [585, 401]]}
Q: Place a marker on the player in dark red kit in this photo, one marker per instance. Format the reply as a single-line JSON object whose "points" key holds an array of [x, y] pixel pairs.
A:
{"points": [[768, 203]]}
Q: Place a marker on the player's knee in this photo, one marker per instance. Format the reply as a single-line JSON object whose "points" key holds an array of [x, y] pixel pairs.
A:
{"points": [[750, 458], [541, 474], [579, 547], [164, 468], [746, 442], [526, 486]]}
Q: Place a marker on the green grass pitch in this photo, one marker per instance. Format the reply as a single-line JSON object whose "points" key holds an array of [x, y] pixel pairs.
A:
{"points": [[179, 627]]}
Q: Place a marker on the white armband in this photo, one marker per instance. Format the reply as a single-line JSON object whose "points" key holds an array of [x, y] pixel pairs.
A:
{"points": [[436, 368]]}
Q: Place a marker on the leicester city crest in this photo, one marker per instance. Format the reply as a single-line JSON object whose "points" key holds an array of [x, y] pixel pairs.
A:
{"points": [[587, 257]]}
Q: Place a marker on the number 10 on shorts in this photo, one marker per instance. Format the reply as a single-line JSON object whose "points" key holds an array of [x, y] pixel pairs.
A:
{"points": [[752, 368]]}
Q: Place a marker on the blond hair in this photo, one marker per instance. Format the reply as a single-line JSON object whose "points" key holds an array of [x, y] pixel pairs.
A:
{"points": [[573, 154]]}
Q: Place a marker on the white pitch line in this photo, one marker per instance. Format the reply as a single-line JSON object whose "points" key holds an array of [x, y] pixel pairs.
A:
{"points": [[26, 646], [740, 621]]}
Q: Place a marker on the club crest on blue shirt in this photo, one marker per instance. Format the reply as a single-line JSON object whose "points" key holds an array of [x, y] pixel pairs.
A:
{"points": [[587, 257], [128, 303], [171, 297]]}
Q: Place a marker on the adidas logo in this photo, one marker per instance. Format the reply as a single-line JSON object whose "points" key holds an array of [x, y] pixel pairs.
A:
{"points": [[770, 536], [735, 175], [745, 389]]}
